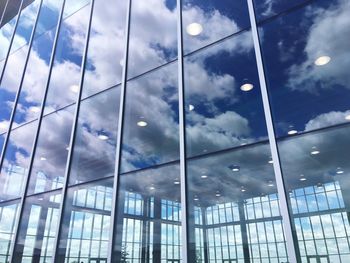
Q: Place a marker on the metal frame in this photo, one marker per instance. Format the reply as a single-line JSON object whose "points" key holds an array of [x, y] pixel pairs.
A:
{"points": [[73, 134], [182, 133], [11, 41], [21, 207], [272, 139], [4, 11], [119, 136], [18, 93]]}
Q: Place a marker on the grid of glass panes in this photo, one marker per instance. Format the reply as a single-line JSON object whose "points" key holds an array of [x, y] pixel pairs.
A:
{"points": [[262, 207]]}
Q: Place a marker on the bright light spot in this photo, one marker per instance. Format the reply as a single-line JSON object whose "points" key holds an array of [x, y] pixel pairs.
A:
{"points": [[103, 137], [204, 176], [42, 159], [191, 107], [196, 199], [339, 171], [302, 179], [152, 188], [323, 60], [243, 190], [194, 29], [271, 184], [315, 152], [217, 194], [292, 132], [142, 123], [74, 88], [347, 117], [176, 182], [247, 87], [34, 109]]}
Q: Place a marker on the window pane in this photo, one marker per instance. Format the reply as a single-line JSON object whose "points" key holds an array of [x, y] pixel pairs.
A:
{"points": [[148, 224], [38, 229], [85, 227], [150, 134], [94, 150], [51, 151]]}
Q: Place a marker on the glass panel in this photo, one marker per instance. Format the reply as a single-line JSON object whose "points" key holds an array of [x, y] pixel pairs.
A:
{"points": [[306, 55], [6, 31], [51, 151], [16, 161], [222, 97], [2, 138], [68, 58], [8, 217], [150, 134], [84, 236], [36, 74], [207, 21], [94, 150], [153, 35], [14, 68], [106, 46], [38, 228], [148, 224]]}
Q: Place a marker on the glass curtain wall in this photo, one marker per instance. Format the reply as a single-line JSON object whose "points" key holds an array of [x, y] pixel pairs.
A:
{"points": [[90, 131]]}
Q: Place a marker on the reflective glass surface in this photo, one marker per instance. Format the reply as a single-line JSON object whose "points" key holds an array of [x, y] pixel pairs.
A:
{"points": [[68, 58], [207, 21], [38, 228], [106, 46], [51, 151], [148, 225], [153, 35], [150, 134], [95, 142], [8, 216], [11, 78], [36, 74], [222, 96], [86, 222], [16, 161], [308, 78]]}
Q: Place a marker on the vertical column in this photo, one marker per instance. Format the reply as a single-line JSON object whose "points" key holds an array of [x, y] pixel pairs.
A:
{"points": [[3, 12], [115, 209], [184, 228], [244, 232], [72, 136], [272, 140]]}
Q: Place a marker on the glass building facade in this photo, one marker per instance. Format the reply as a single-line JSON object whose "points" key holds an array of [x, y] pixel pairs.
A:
{"points": [[171, 131]]}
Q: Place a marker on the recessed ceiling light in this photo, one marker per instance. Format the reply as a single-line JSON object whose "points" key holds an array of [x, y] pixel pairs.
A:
{"points": [[302, 179], [314, 151], [217, 194], [247, 87], [271, 184], [40, 198], [196, 199], [339, 171], [142, 123], [176, 182], [34, 109], [323, 60], [243, 190], [152, 188], [103, 136], [270, 161], [347, 117], [74, 88], [194, 29], [42, 159], [292, 132], [191, 107], [234, 168], [204, 176], [67, 148]]}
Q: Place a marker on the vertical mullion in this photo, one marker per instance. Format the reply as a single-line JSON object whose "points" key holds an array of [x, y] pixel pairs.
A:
{"points": [[184, 212], [119, 137], [272, 139], [73, 134], [3, 13], [21, 205], [18, 93], [11, 40]]}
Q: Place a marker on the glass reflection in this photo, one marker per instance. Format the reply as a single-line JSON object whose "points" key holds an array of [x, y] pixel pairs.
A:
{"points": [[94, 150], [222, 97], [51, 151], [16, 161], [306, 66], [68, 59], [8, 217], [106, 46], [12, 74], [84, 236], [148, 224], [153, 35], [207, 21], [36, 74], [37, 230], [318, 192], [150, 134], [234, 208]]}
